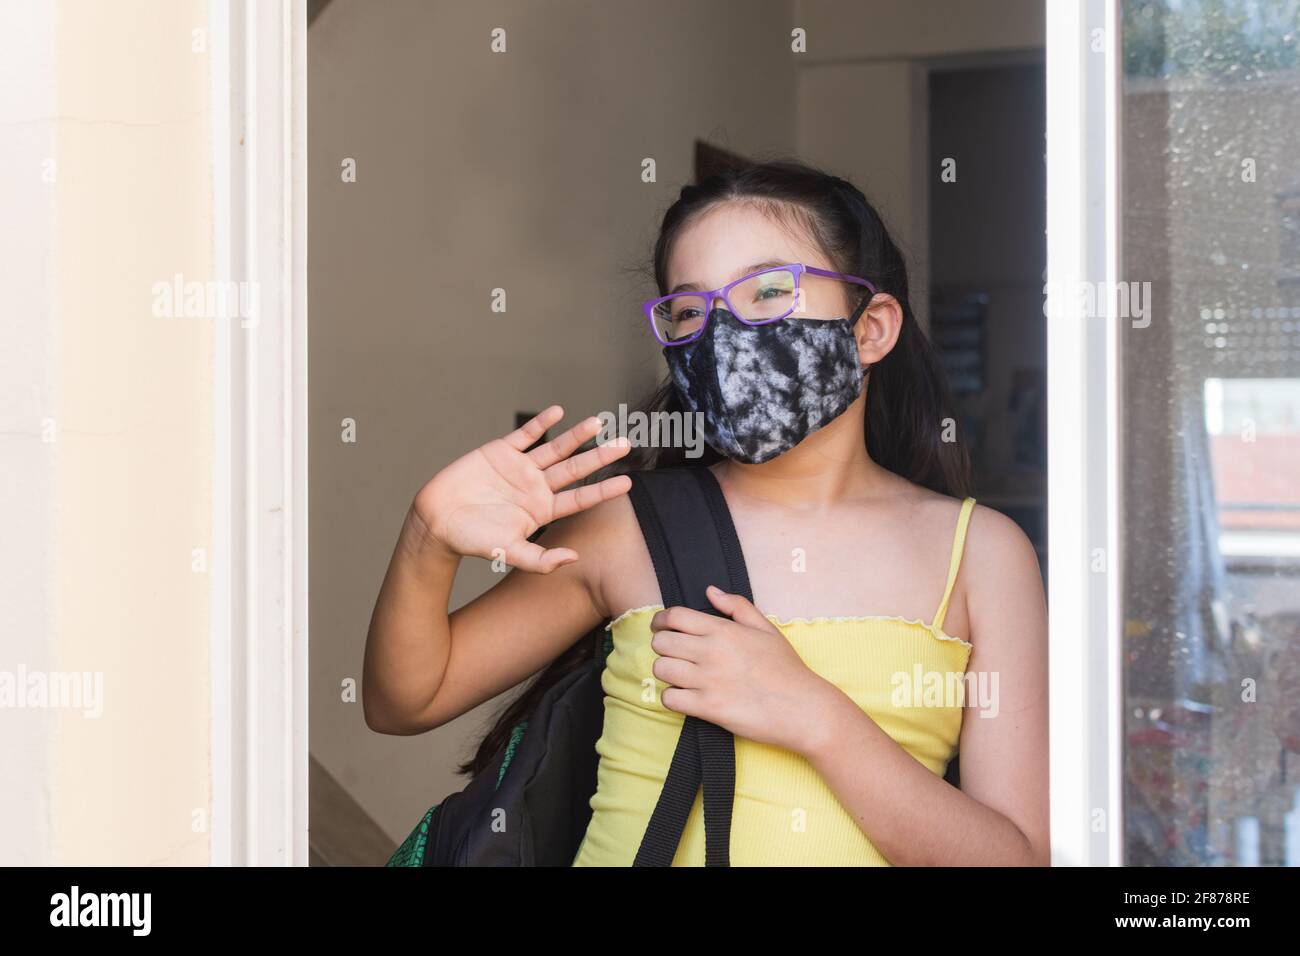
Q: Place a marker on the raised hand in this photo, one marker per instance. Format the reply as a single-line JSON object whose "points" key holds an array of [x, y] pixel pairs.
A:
{"points": [[489, 501]]}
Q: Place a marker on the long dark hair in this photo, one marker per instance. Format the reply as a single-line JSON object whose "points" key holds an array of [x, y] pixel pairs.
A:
{"points": [[909, 409]]}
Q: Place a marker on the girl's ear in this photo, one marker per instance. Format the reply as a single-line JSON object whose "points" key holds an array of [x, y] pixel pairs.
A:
{"points": [[878, 328]]}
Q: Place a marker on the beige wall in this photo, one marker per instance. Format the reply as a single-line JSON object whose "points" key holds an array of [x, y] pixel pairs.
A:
{"points": [[865, 121], [911, 29], [98, 576]]}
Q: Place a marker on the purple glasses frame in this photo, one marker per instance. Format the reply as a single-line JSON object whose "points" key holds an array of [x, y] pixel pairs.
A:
{"points": [[798, 268]]}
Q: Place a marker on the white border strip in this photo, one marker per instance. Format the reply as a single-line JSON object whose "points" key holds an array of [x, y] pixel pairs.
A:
{"points": [[295, 278], [259, 614], [1114, 421], [1083, 459]]}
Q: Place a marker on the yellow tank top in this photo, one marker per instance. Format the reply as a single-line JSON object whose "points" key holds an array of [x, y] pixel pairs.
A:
{"points": [[784, 813]]}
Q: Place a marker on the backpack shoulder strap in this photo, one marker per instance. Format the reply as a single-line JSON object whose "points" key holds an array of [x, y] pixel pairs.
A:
{"points": [[692, 543], [690, 535]]}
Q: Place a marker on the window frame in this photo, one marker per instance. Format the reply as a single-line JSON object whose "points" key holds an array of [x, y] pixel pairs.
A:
{"points": [[258, 57], [1085, 547]]}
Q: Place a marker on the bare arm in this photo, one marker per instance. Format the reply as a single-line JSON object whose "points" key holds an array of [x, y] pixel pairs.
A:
{"points": [[999, 817], [423, 666]]}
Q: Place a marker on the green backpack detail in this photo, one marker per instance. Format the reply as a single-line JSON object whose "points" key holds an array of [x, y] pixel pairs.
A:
{"points": [[411, 852]]}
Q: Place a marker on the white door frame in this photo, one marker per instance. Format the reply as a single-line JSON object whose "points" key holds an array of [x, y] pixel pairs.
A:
{"points": [[1085, 556], [258, 53]]}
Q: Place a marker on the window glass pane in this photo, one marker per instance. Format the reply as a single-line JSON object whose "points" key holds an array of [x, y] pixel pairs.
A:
{"points": [[1211, 513]]}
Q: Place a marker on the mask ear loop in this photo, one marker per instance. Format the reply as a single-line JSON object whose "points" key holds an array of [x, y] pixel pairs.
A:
{"points": [[857, 313]]}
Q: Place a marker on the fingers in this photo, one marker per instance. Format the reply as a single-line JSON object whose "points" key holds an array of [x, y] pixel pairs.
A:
{"points": [[677, 645], [580, 499], [564, 445], [739, 609], [679, 673], [578, 467], [684, 700], [530, 556], [533, 429], [684, 619]]}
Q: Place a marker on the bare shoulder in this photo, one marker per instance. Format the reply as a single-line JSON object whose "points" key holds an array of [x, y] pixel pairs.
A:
{"points": [[607, 539], [1003, 583], [931, 513], [598, 528], [996, 543]]}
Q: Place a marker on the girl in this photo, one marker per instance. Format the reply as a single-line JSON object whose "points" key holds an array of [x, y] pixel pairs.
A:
{"points": [[880, 586]]}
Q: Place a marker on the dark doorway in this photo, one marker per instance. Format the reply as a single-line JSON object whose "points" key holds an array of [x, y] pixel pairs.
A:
{"points": [[988, 253]]}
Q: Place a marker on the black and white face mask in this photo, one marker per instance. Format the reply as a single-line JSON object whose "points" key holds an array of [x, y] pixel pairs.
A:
{"points": [[763, 389]]}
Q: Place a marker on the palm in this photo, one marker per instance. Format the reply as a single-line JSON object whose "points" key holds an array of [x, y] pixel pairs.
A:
{"points": [[489, 501]]}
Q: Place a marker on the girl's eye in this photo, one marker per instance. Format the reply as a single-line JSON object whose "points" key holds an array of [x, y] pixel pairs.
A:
{"points": [[771, 292], [687, 322]]}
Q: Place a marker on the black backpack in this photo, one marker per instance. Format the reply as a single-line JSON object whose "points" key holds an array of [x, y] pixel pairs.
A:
{"points": [[531, 805]]}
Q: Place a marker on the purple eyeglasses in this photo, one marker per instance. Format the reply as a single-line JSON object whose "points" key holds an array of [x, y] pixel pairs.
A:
{"points": [[766, 296]]}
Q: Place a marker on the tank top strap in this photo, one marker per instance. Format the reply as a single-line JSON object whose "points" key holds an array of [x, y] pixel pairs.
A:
{"points": [[954, 563]]}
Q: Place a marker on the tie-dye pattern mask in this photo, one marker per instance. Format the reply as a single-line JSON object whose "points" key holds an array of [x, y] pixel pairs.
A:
{"points": [[763, 389]]}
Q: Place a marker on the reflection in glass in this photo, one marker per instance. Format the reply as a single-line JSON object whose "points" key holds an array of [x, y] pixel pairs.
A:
{"points": [[1211, 407]]}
